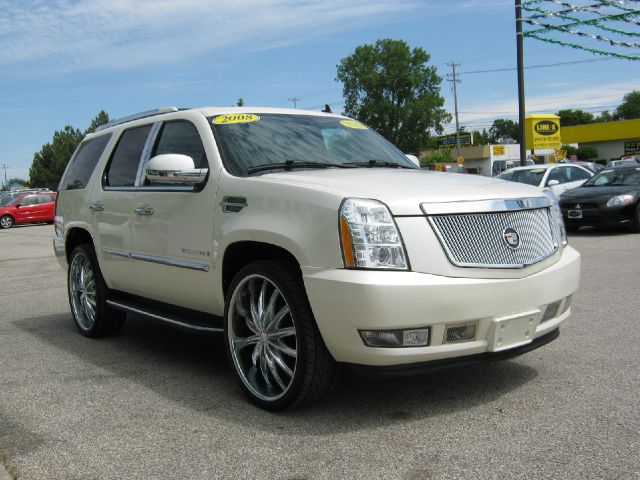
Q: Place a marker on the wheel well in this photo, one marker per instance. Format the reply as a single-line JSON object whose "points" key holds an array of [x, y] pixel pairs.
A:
{"points": [[241, 254], [75, 237]]}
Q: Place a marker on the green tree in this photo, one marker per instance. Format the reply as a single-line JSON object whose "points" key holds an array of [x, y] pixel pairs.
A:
{"points": [[570, 117], [101, 119], [19, 181], [442, 155], [504, 130], [394, 90], [480, 138], [240, 102], [586, 152], [49, 163], [630, 106], [605, 116]]}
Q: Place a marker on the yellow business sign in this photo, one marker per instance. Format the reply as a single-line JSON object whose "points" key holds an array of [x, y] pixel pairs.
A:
{"points": [[543, 131], [498, 150]]}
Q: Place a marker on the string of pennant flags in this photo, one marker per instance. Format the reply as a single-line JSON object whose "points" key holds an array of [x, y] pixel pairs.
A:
{"points": [[557, 21]]}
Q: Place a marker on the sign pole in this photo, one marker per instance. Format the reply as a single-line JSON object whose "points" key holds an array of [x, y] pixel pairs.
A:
{"points": [[520, 54]]}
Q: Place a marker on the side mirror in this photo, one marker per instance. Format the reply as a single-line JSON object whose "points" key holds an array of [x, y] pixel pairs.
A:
{"points": [[174, 168], [413, 158], [18, 205], [552, 183]]}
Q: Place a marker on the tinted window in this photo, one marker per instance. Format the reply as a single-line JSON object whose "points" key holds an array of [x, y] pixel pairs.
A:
{"points": [[123, 167], [83, 163], [45, 198], [30, 200], [182, 137], [575, 174], [558, 174], [530, 176]]}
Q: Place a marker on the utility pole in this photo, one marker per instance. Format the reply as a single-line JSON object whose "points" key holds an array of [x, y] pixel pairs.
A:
{"points": [[454, 80], [4, 165], [295, 101], [521, 107]]}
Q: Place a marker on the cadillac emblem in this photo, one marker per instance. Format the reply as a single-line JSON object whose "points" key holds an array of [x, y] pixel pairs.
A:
{"points": [[511, 238]]}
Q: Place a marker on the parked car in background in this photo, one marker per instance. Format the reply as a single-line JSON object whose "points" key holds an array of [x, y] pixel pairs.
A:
{"points": [[608, 199], [630, 162], [28, 208], [593, 166], [557, 177], [7, 198]]}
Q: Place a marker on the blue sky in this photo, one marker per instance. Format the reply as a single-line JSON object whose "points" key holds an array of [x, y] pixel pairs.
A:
{"points": [[62, 61]]}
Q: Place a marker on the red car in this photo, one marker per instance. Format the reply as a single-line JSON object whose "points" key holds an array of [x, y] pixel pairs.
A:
{"points": [[29, 208]]}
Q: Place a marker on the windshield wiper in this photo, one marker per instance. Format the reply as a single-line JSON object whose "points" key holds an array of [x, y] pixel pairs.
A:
{"points": [[291, 164], [379, 163]]}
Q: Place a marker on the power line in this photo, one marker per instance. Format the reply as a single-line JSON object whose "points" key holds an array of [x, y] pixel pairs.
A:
{"points": [[545, 65]]}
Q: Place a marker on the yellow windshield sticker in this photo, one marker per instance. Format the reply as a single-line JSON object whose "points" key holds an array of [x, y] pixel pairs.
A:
{"points": [[235, 118], [353, 124]]}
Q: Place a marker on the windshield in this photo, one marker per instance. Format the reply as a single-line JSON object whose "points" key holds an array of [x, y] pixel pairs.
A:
{"points": [[530, 176], [247, 141], [618, 176]]}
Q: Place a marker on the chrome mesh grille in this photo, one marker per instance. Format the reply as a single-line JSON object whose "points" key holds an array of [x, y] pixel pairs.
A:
{"points": [[478, 239]]}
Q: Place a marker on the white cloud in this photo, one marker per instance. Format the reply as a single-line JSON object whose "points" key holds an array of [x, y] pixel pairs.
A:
{"points": [[76, 35]]}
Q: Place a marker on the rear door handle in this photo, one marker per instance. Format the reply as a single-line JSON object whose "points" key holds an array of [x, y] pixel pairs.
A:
{"points": [[144, 211], [97, 207]]}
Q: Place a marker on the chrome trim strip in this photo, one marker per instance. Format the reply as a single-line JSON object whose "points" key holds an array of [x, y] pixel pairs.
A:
{"points": [[484, 206], [202, 267], [148, 188], [146, 152], [170, 321]]}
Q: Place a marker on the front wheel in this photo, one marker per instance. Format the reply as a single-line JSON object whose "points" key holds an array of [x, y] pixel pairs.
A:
{"points": [[271, 339], [6, 221], [88, 296]]}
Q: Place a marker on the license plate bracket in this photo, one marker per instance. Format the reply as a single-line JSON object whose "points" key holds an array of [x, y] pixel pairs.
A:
{"points": [[574, 214], [513, 330]]}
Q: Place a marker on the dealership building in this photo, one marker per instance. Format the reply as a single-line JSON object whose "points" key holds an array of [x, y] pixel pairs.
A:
{"points": [[612, 140]]}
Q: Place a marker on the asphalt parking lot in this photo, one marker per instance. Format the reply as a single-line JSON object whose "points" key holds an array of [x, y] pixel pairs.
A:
{"points": [[155, 403]]}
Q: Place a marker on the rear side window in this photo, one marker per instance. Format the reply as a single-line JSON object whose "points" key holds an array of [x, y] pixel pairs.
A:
{"points": [[123, 167], [45, 198], [83, 163]]}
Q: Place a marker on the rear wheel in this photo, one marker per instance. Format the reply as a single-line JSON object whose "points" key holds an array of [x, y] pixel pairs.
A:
{"points": [[6, 221], [88, 296], [271, 338]]}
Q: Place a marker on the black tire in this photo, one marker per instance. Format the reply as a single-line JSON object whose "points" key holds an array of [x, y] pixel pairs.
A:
{"points": [[88, 296], [635, 225], [275, 367], [6, 221]]}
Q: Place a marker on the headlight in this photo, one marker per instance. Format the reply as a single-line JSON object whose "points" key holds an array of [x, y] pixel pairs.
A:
{"points": [[557, 215], [369, 236], [621, 200]]}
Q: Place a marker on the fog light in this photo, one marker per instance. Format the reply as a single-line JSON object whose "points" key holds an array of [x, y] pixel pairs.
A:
{"points": [[551, 311], [396, 338], [460, 333], [567, 303]]}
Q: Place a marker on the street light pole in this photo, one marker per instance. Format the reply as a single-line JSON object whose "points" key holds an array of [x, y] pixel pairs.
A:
{"points": [[521, 106]]}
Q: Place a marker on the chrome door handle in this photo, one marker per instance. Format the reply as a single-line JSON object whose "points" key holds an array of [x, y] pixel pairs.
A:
{"points": [[144, 211], [97, 207]]}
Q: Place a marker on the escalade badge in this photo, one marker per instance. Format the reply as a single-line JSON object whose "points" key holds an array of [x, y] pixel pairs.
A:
{"points": [[511, 238]]}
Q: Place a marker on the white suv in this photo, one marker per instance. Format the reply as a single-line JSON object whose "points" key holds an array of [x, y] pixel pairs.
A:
{"points": [[311, 242]]}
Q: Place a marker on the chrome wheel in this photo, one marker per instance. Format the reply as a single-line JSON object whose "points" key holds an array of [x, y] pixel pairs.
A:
{"points": [[6, 222], [262, 337], [82, 290]]}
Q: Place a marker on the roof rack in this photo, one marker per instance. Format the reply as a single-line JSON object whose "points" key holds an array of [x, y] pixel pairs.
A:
{"points": [[137, 116]]}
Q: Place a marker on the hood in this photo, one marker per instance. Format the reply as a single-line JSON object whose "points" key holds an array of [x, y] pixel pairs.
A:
{"points": [[597, 194], [403, 190]]}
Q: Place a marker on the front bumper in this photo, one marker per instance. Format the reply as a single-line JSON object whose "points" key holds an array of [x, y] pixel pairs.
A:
{"points": [[600, 217], [346, 301]]}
